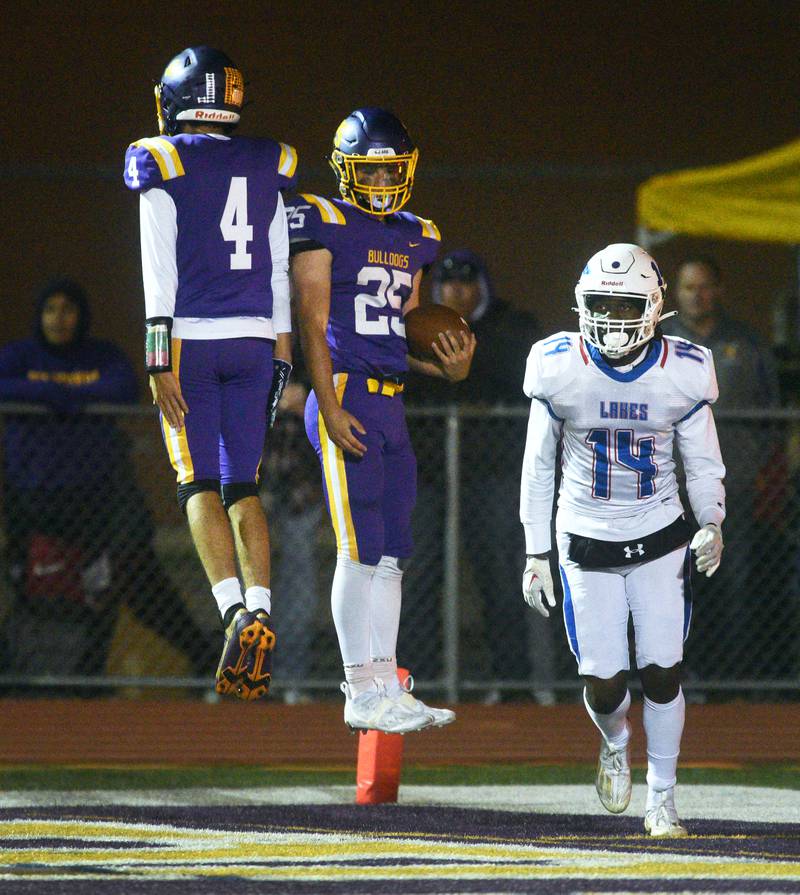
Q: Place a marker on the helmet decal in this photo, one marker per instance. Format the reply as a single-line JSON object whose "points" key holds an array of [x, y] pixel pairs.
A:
{"points": [[199, 84]]}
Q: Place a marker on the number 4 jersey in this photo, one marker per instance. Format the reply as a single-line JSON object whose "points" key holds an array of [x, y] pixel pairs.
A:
{"points": [[214, 238], [617, 428], [372, 274]]}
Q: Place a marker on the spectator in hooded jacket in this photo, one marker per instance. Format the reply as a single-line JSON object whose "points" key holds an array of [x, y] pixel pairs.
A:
{"points": [[78, 532], [490, 457]]}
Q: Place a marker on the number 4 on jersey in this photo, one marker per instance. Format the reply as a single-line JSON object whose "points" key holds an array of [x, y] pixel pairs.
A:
{"points": [[638, 458], [234, 224]]}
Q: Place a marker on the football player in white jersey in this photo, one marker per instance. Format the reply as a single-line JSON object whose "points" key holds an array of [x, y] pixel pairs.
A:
{"points": [[616, 397]]}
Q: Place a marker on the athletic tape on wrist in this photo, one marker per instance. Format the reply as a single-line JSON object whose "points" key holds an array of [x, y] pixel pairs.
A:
{"points": [[158, 344]]}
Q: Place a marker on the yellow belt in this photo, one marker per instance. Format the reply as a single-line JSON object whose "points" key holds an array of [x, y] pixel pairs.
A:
{"points": [[384, 387]]}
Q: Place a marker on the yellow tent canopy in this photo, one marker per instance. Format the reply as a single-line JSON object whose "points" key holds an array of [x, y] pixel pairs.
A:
{"points": [[755, 199]]}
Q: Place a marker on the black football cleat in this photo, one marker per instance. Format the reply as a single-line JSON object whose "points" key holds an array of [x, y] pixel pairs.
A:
{"points": [[245, 669]]}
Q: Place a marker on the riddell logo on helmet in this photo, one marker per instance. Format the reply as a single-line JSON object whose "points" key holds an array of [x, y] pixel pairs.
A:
{"points": [[611, 283], [213, 115]]}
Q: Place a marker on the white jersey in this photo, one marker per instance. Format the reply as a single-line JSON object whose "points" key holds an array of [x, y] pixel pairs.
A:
{"points": [[617, 427]]}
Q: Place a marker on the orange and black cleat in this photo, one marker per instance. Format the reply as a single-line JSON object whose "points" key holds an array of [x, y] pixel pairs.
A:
{"points": [[245, 669]]}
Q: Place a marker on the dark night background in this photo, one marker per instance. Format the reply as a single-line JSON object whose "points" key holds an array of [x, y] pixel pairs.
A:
{"points": [[535, 121]]}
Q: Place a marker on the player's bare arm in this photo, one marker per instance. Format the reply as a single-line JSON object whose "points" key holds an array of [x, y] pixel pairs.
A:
{"points": [[311, 274], [166, 391], [455, 351]]}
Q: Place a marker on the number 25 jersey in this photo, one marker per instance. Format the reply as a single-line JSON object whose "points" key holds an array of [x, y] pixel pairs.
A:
{"points": [[617, 428], [372, 274]]}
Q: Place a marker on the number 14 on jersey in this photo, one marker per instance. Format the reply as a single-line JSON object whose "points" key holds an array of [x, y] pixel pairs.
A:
{"points": [[636, 456]]}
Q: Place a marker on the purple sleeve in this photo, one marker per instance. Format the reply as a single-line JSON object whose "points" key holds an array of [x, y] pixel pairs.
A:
{"points": [[431, 251], [304, 214], [15, 385], [117, 383], [141, 170], [287, 167]]}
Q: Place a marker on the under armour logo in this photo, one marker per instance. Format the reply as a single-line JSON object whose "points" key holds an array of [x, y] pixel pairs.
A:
{"points": [[638, 550]]}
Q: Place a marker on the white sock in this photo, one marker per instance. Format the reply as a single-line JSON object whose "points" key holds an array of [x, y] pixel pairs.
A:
{"points": [[385, 602], [227, 593], [360, 678], [612, 726], [663, 727], [257, 597], [385, 670], [350, 607]]}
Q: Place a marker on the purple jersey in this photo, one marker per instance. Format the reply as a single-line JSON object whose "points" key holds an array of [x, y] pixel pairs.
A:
{"points": [[374, 263], [225, 192]]}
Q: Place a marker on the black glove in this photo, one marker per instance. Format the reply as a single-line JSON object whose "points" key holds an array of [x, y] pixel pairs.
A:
{"points": [[281, 371]]}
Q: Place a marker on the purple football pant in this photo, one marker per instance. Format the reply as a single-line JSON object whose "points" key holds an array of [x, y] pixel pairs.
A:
{"points": [[225, 383], [369, 499]]}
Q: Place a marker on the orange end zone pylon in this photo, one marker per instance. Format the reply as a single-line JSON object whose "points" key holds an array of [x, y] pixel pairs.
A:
{"points": [[380, 761]]}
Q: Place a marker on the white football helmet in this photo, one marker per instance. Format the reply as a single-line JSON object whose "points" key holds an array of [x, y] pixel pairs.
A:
{"points": [[622, 270]]}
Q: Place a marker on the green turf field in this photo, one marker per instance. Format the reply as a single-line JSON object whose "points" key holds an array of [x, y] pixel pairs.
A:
{"points": [[782, 776]]}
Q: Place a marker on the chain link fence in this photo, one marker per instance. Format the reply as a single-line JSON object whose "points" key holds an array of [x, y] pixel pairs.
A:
{"points": [[102, 590]]}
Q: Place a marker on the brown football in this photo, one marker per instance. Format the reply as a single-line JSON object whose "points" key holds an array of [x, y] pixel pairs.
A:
{"points": [[423, 325]]}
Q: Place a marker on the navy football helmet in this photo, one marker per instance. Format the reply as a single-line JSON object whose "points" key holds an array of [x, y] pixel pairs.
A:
{"points": [[374, 160], [200, 84]]}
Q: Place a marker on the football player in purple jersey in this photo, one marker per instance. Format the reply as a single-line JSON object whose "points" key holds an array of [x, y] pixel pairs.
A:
{"points": [[215, 267], [357, 263]]}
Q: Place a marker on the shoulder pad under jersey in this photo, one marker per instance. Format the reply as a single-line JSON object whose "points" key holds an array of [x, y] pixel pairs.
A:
{"points": [[287, 166], [552, 364], [150, 162], [325, 211], [313, 219], [691, 369], [424, 228]]}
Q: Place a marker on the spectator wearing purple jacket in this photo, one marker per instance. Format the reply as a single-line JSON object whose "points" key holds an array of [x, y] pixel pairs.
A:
{"points": [[78, 532]]}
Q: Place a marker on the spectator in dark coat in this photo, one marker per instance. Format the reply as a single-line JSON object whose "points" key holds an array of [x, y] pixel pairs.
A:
{"points": [[490, 461], [753, 450]]}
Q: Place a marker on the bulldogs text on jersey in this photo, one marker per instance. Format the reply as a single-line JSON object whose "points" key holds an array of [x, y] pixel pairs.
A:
{"points": [[374, 264]]}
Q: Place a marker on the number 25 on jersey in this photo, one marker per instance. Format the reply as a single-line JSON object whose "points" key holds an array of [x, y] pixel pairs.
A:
{"points": [[389, 284]]}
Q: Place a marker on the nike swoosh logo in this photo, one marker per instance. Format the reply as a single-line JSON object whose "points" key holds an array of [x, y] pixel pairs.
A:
{"points": [[413, 244]]}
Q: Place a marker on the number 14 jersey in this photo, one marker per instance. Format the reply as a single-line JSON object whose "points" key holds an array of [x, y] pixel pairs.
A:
{"points": [[372, 274], [617, 427]]}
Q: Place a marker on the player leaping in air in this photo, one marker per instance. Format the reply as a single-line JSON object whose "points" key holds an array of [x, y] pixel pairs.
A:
{"points": [[357, 262], [215, 258], [617, 396]]}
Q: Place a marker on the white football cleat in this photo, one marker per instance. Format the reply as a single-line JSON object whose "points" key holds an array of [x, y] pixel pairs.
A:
{"points": [[613, 781], [417, 708], [374, 710], [661, 820]]}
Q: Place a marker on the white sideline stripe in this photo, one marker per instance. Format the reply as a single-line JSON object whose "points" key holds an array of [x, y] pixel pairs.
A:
{"points": [[744, 803]]}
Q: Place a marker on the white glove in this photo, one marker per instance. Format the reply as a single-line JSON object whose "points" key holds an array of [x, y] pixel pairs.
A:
{"points": [[707, 545], [537, 585]]}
